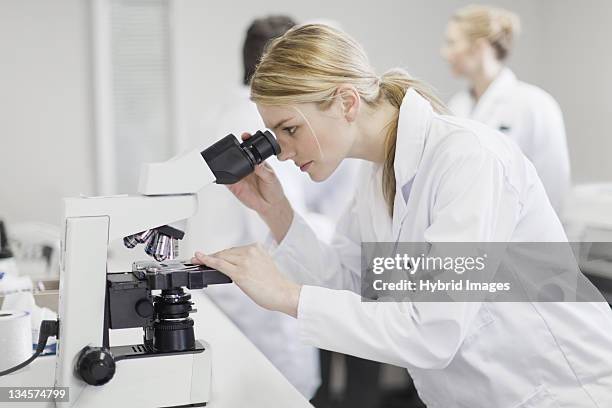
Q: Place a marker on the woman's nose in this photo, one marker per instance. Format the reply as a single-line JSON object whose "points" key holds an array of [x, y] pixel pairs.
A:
{"points": [[286, 150], [284, 155]]}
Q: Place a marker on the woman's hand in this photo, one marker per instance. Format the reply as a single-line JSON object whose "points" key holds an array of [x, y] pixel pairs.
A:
{"points": [[254, 271], [262, 191]]}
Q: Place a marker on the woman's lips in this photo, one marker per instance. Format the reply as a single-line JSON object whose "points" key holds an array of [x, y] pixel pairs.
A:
{"points": [[304, 167]]}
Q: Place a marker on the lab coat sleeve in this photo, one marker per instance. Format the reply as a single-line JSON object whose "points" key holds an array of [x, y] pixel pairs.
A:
{"points": [[472, 203], [306, 259]]}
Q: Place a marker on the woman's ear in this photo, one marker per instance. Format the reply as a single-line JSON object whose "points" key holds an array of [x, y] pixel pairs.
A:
{"points": [[350, 101]]}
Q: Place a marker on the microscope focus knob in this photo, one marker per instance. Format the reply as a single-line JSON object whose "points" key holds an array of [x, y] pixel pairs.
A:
{"points": [[144, 308], [96, 365]]}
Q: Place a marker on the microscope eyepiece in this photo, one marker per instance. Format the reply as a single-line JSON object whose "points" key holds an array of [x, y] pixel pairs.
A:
{"points": [[261, 145], [230, 161]]}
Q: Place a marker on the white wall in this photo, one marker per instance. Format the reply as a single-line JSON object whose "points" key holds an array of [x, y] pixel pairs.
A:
{"points": [[45, 107], [576, 67]]}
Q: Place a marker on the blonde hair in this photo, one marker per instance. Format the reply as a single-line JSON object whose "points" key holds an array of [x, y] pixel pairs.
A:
{"points": [[309, 62], [498, 26]]}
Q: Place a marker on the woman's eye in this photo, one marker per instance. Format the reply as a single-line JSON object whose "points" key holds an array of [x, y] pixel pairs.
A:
{"points": [[291, 130]]}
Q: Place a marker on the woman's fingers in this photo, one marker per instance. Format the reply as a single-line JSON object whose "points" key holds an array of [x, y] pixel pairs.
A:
{"points": [[257, 275], [245, 135], [265, 172], [233, 188], [232, 255], [233, 258], [219, 264]]}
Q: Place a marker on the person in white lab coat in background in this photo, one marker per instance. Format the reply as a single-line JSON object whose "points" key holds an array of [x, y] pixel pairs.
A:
{"points": [[478, 41], [427, 177], [223, 222]]}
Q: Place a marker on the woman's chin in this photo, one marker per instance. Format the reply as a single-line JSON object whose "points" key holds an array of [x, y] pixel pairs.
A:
{"points": [[318, 176]]}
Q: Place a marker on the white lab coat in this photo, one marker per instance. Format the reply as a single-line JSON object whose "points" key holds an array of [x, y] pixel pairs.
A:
{"points": [[457, 181], [533, 119]]}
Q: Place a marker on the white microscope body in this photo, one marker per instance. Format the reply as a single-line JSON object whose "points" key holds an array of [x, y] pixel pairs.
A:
{"points": [[168, 195]]}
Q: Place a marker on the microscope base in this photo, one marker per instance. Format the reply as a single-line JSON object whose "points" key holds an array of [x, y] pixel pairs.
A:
{"points": [[162, 380], [143, 351]]}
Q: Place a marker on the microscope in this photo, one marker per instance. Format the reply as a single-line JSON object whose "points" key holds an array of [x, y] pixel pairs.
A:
{"points": [[170, 368]]}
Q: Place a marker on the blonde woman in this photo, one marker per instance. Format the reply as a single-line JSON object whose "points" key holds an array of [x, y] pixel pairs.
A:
{"points": [[478, 42], [427, 177]]}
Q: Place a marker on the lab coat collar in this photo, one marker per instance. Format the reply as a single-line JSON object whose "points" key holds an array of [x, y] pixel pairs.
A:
{"points": [[413, 126], [500, 86]]}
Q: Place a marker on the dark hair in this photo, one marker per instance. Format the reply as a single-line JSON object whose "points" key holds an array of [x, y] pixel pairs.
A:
{"points": [[259, 33]]}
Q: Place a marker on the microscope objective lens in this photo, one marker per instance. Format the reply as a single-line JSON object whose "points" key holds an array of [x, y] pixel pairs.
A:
{"points": [[152, 245], [144, 236], [162, 249], [174, 248], [130, 242]]}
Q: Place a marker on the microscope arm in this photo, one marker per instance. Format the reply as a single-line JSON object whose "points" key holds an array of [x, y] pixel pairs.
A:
{"points": [[225, 162]]}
